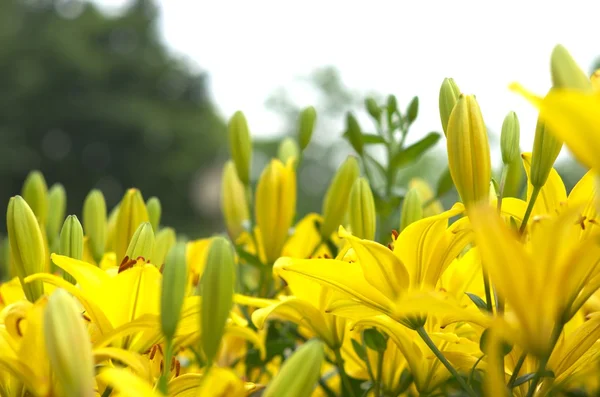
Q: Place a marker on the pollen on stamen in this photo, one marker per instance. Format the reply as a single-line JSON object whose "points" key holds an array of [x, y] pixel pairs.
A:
{"points": [[395, 234], [126, 263]]}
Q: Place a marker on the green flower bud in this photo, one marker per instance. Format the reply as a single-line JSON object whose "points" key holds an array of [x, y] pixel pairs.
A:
{"points": [[57, 204], [546, 148], [154, 212], [412, 208], [353, 133], [64, 329], [288, 149], [514, 178], [361, 210], [27, 248], [308, 118], [510, 138], [165, 240], [71, 242], [449, 93], [132, 212], [5, 268], [94, 223], [392, 105], [233, 201], [173, 289], [565, 71], [240, 146], [300, 373], [218, 283], [35, 192], [142, 243], [335, 203], [373, 109]]}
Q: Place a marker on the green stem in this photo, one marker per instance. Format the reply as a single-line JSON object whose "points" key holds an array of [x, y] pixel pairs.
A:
{"points": [[345, 380], [367, 361], [516, 370], [488, 290], [379, 373], [530, 204], [107, 391], [501, 188], [163, 382], [423, 334]]}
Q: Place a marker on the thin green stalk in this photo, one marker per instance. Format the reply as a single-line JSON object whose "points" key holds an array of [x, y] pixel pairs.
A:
{"points": [[423, 334], [488, 290], [501, 188], [345, 380], [163, 382], [369, 369], [530, 204], [379, 373], [470, 380], [107, 391], [515, 374]]}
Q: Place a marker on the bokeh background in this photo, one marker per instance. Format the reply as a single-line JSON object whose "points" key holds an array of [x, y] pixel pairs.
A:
{"points": [[112, 94]]}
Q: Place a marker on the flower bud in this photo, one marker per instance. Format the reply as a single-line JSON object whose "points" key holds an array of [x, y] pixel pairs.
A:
{"points": [[173, 289], [373, 109], [353, 133], [35, 192], [233, 201], [165, 240], [300, 373], [546, 148], [335, 203], [412, 208], [68, 346], [132, 212], [595, 80], [427, 196], [565, 71], [27, 249], [142, 243], [154, 212], [510, 138], [449, 93], [5, 267], [240, 146], [308, 117], [218, 283], [288, 150], [71, 242], [57, 204], [361, 210], [469, 151], [514, 178], [392, 105], [94, 223], [275, 206]]}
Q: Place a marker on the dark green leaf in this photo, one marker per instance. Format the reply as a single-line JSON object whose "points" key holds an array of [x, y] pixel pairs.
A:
{"points": [[375, 340], [444, 184], [249, 258], [480, 303], [527, 377], [359, 350], [413, 110], [414, 151], [372, 139]]}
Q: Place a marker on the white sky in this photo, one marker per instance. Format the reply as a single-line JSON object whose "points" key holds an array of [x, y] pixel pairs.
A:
{"points": [[250, 48]]}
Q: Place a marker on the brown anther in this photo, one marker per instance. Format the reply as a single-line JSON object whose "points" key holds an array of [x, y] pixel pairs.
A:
{"points": [[162, 366], [86, 317], [196, 279], [177, 367], [581, 221], [395, 234], [126, 264], [18, 326], [326, 256], [162, 267], [152, 352], [593, 222], [1, 300], [390, 246]]}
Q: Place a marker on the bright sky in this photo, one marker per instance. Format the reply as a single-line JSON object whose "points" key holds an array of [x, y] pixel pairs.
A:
{"points": [[250, 48]]}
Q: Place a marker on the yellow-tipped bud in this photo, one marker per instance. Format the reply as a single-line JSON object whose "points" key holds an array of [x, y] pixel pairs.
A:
{"points": [[154, 212], [240, 146], [412, 208], [595, 80], [300, 373], [71, 242], [173, 289], [218, 283], [427, 196], [142, 243], [35, 192], [354, 133], [546, 148], [335, 203], [510, 138], [27, 249], [68, 346], [165, 240], [233, 201], [275, 206], [565, 71], [57, 204], [469, 151], [308, 118], [373, 108], [132, 213], [94, 223], [288, 151], [449, 93], [361, 210]]}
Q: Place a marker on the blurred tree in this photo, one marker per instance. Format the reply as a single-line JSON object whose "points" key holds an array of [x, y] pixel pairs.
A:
{"points": [[97, 101]]}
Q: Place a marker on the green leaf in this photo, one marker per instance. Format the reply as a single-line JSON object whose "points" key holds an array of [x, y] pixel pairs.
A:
{"points": [[372, 139], [527, 377], [359, 349], [375, 340], [353, 133], [480, 303], [413, 110], [249, 258], [414, 151], [444, 184]]}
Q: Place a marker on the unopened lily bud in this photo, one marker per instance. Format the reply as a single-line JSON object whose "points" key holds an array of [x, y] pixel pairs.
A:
{"points": [[233, 201], [94, 223], [361, 210], [173, 289], [165, 240], [57, 204], [68, 346], [132, 213], [275, 206], [335, 203], [27, 249], [469, 151], [412, 208], [595, 80], [5, 268], [565, 71], [308, 117], [35, 192], [373, 109], [154, 212], [354, 133], [288, 150], [546, 148], [434, 207], [392, 105], [218, 283], [449, 93], [510, 138], [300, 373], [71, 242], [514, 178], [142, 243], [240, 145]]}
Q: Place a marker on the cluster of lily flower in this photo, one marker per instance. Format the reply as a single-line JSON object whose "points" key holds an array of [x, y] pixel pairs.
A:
{"points": [[495, 296]]}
